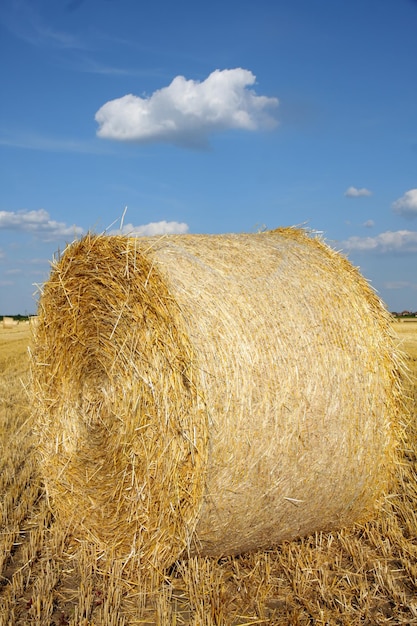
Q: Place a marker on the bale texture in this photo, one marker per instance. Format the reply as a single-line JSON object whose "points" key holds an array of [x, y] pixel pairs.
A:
{"points": [[211, 394]]}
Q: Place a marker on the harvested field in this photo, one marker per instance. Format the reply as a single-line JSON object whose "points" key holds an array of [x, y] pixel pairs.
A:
{"points": [[363, 575]]}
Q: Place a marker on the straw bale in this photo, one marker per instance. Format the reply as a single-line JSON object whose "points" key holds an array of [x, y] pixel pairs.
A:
{"points": [[9, 322], [212, 394]]}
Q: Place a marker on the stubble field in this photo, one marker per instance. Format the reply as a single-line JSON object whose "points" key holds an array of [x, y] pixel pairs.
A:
{"points": [[365, 575]]}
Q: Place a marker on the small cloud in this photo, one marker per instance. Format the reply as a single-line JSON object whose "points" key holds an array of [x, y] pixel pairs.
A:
{"points": [[34, 141], [94, 67], [38, 262], [38, 223], [13, 271], [369, 224], [153, 228], [24, 20], [354, 192], [406, 206], [402, 241], [399, 284], [186, 112], [39, 272], [2, 254]]}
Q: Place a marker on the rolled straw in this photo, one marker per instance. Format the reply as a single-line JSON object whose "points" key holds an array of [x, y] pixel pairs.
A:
{"points": [[211, 394]]}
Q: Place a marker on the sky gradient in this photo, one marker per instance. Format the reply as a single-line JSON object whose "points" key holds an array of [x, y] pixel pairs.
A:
{"points": [[208, 118]]}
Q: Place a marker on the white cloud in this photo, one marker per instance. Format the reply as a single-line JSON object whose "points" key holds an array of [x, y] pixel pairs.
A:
{"points": [[187, 111], [399, 284], [39, 223], [369, 223], [35, 141], [153, 228], [38, 262], [404, 241], [354, 192], [406, 206]]}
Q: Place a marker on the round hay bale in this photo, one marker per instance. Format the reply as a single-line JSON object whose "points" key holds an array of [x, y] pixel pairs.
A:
{"points": [[9, 322], [212, 394]]}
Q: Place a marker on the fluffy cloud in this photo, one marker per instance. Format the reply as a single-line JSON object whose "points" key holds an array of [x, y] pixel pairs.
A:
{"points": [[369, 224], [187, 111], [354, 192], [406, 206], [153, 228], [38, 223], [404, 241]]}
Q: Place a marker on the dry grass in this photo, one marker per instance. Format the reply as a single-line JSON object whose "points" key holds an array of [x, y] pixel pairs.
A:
{"points": [[366, 575], [13, 344], [211, 395]]}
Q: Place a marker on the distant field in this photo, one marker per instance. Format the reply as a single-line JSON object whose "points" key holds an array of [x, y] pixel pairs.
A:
{"points": [[365, 575], [407, 334], [13, 342]]}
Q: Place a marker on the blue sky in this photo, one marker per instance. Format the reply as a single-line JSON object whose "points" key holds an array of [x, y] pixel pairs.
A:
{"points": [[207, 118]]}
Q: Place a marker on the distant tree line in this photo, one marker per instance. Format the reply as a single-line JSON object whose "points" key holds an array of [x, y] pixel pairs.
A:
{"points": [[17, 318], [404, 314]]}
